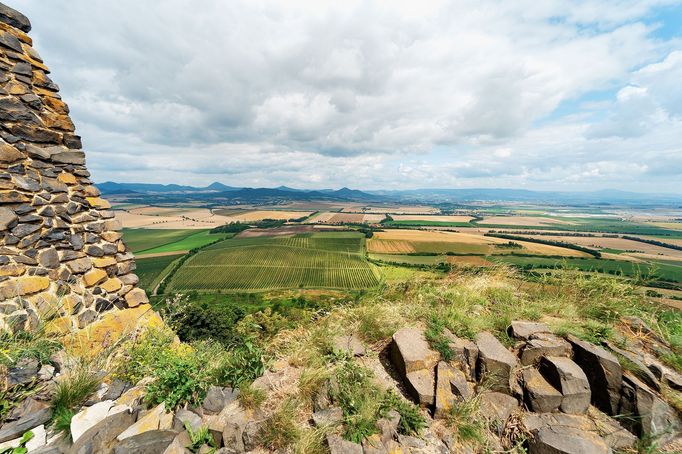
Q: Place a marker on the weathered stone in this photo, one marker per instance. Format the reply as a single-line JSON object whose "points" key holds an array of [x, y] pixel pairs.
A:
{"points": [[328, 417], [540, 396], [218, 398], [17, 428], [79, 265], [544, 344], [421, 385], [570, 380], [101, 436], [465, 352], [497, 406], [149, 421], [88, 417], [410, 352], [451, 385], [388, 426], [49, 258], [14, 18], [520, 329], [338, 445], [495, 363], [373, 445], [150, 442], [111, 285], [8, 218], [567, 440], [9, 154], [135, 297], [351, 345], [94, 277], [603, 371], [185, 418], [25, 371], [650, 416]]}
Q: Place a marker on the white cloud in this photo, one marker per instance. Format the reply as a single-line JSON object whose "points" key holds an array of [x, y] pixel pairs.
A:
{"points": [[318, 93]]}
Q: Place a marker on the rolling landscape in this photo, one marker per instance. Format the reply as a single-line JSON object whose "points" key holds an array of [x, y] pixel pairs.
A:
{"points": [[359, 227], [344, 242]]}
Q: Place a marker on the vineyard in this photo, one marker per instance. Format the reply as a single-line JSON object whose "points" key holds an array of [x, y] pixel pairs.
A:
{"points": [[303, 261]]}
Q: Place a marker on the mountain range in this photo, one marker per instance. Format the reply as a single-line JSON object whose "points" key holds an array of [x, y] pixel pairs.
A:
{"points": [[219, 191]]}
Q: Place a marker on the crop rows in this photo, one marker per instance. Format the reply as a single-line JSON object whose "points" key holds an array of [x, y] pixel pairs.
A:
{"points": [[267, 263]]}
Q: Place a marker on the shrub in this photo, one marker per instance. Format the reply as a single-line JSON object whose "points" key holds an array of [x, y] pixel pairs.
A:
{"points": [[195, 320], [411, 420], [244, 363], [200, 438], [178, 380]]}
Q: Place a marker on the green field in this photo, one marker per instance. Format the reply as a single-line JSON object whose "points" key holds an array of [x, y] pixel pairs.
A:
{"points": [[263, 263], [410, 259], [154, 241], [149, 270], [664, 271], [604, 225]]}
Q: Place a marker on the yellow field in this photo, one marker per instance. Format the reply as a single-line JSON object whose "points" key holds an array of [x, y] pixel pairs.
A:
{"points": [[338, 218], [530, 221], [259, 215], [668, 225], [194, 218], [642, 250], [152, 217], [403, 241], [468, 260], [434, 218], [395, 209]]}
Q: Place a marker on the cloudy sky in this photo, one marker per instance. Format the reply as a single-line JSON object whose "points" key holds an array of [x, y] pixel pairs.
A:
{"points": [[531, 94]]}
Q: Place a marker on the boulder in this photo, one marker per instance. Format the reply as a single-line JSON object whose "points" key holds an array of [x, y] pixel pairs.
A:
{"points": [[338, 445], [88, 417], [495, 362], [539, 395], [603, 372], [150, 421], [328, 417], [388, 426], [373, 445], [351, 345], [218, 398], [465, 353], [596, 422], [569, 378], [421, 385], [149, 442], [521, 329], [544, 344], [179, 444], [25, 371], [637, 360], [451, 384], [497, 406], [566, 440], [411, 352], [102, 436], [184, 418], [650, 415]]}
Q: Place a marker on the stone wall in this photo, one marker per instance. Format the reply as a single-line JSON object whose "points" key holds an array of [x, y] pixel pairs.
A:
{"points": [[61, 253]]}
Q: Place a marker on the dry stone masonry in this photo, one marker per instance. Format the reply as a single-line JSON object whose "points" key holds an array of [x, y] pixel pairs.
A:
{"points": [[61, 252]]}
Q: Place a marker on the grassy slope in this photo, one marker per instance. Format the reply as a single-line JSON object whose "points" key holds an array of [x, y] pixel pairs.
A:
{"points": [[150, 269], [317, 261]]}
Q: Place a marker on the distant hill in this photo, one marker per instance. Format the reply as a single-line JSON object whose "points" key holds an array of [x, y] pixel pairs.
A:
{"points": [[218, 192]]}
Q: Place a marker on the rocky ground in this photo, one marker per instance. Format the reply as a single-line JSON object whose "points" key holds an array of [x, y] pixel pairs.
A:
{"points": [[547, 394]]}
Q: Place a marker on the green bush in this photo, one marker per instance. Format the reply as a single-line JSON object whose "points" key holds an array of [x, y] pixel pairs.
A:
{"points": [[179, 380], [411, 420], [243, 363]]}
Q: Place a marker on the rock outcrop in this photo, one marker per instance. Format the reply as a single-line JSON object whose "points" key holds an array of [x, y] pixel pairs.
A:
{"points": [[61, 252]]}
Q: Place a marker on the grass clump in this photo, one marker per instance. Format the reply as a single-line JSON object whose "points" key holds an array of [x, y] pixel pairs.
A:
{"points": [[70, 393], [435, 336], [249, 397], [280, 430], [465, 419]]}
